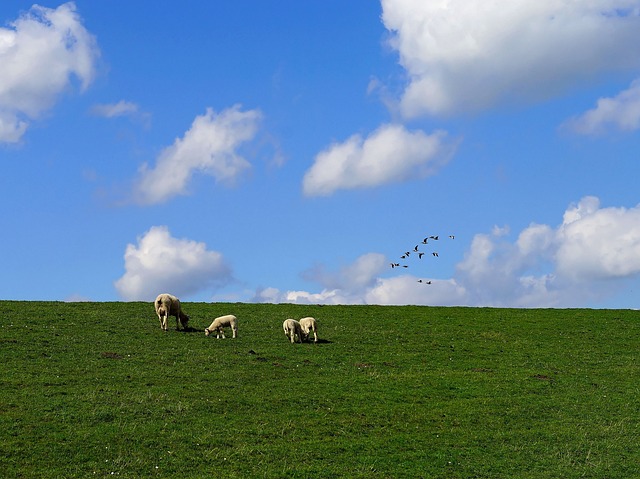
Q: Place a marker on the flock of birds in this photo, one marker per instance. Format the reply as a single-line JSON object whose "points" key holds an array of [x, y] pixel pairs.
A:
{"points": [[416, 252]]}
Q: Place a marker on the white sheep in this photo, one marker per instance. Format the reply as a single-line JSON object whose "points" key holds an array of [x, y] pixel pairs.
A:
{"points": [[292, 328], [309, 324], [168, 305], [220, 323]]}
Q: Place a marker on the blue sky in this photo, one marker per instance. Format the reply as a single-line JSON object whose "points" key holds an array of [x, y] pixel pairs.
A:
{"points": [[293, 151]]}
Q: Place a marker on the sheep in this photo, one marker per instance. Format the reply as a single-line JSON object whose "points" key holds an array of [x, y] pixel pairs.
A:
{"points": [[291, 327], [220, 323], [309, 324], [168, 305]]}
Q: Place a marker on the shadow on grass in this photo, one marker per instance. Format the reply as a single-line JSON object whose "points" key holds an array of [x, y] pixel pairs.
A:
{"points": [[189, 329]]}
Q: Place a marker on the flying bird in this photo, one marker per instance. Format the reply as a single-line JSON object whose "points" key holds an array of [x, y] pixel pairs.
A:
{"points": [[420, 255], [393, 265], [435, 253], [425, 241], [415, 248], [452, 236], [434, 237]]}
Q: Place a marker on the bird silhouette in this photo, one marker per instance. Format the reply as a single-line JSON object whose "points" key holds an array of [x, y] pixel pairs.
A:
{"points": [[420, 255], [435, 253], [393, 265], [434, 237], [425, 241], [452, 236], [415, 248]]}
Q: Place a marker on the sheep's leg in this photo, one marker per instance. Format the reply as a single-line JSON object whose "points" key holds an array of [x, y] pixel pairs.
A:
{"points": [[235, 333], [163, 322], [315, 337]]}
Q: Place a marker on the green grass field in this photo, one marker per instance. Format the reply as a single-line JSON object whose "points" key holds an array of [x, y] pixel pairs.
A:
{"points": [[97, 389]]}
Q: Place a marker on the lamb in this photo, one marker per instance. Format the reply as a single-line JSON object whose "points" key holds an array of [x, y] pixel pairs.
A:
{"points": [[220, 323], [292, 327], [309, 324], [168, 305]]}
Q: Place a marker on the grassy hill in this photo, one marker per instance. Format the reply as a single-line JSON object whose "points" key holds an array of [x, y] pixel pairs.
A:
{"points": [[97, 389]]}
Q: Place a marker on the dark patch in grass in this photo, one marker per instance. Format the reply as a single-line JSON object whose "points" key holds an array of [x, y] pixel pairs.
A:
{"points": [[110, 355], [363, 365], [482, 370], [543, 377]]}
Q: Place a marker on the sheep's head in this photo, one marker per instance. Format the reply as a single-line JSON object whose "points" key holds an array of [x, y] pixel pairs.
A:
{"points": [[207, 332], [184, 320]]}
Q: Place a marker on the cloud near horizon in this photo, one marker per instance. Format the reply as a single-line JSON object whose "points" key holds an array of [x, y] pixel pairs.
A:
{"points": [[40, 53], [463, 56], [161, 263], [209, 147], [586, 258], [390, 154]]}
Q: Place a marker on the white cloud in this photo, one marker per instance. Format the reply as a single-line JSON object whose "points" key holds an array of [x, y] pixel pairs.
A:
{"points": [[161, 263], [40, 52], [112, 110], [621, 112], [599, 243], [208, 147], [354, 277], [583, 260], [406, 289], [391, 154], [467, 56]]}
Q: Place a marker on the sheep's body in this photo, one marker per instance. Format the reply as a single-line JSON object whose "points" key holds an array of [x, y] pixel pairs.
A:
{"points": [[168, 305], [292, 328], [218, 325], [307, 325]]}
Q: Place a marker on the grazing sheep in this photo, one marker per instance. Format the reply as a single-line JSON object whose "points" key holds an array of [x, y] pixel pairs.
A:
{"points": [[168, 305], [309, 324], [292, 327], [220, 323]]}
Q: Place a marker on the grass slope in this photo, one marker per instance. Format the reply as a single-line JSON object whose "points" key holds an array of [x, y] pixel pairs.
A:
{"points": [[97, 389]]}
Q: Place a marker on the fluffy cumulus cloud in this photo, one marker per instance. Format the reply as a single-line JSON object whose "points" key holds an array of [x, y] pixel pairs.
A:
{"points": [[583, 260], [621, 112], [160, 263], [598, 243], [40, 53], [390, 154], [462, 55], [209, 147]]}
